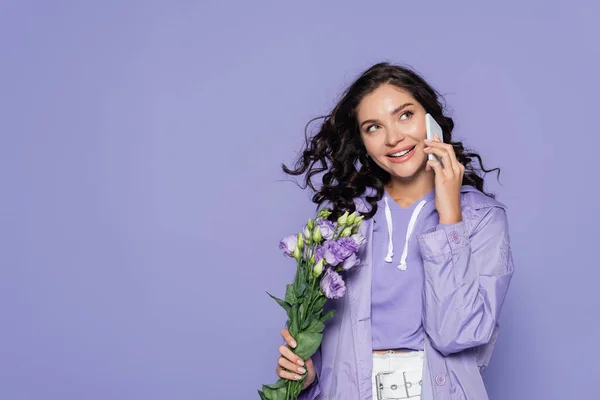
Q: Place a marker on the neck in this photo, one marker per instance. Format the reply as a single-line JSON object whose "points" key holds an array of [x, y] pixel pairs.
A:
{"points": [[407, 191]]}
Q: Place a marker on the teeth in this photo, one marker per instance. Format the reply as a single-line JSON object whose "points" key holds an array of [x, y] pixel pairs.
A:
{"points": [[401, 153]]}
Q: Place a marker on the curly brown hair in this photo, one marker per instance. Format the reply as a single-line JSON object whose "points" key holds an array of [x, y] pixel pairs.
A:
{"points": [[338, 151]]}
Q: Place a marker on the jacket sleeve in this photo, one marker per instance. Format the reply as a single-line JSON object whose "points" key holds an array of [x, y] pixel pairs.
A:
{"points": [[467, 275], [311, 392]]}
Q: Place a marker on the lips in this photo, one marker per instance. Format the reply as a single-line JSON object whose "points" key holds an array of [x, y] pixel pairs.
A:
{"points": [[401, 155], [402, 152]]}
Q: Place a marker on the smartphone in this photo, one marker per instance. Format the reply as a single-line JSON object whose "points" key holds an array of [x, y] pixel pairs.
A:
{"points": [[433, 127]]}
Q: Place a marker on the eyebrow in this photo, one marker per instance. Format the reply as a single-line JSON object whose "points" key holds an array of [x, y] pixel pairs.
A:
{"points": [[396, 111]]}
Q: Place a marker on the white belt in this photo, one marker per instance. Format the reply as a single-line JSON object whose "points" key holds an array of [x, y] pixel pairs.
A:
{"points": [[393, 385]]}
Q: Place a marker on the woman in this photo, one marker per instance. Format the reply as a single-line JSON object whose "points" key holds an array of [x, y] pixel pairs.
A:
{"points": [[419, 318]]}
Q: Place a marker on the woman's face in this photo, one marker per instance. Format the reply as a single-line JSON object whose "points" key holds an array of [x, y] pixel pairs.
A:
{"points": [[392, 127]]}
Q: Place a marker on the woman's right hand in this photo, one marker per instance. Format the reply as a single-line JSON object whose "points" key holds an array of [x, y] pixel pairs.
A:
{"points": [[290, 366]]}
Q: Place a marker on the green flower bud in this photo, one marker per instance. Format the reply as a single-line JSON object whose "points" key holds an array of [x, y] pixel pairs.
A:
{"points": [[310, 224], [306, 232], [346, 232], [343, 219], [300, 241], [318, 269], [317, 235], [297, 254], [323, 213], [351, 218]]}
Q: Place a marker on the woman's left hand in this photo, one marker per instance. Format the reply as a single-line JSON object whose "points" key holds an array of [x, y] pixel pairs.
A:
{"points": [[448, 180]]}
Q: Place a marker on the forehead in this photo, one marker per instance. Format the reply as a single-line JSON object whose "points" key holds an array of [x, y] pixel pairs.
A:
{"points": [[382, 101]]}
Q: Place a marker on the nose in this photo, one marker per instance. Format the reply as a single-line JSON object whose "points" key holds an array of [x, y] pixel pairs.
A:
{"points": [[394, 136]]}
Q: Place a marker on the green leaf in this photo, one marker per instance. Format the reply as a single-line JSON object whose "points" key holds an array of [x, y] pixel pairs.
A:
{"points": [[302, 273], [279, 384], [262, 395], [301, 288], [274, 394], [294, 328], [300, 283], [302, 312], [308, 343], [287, 307], [315, 326], [299, 276], [290, 294], [294, 388], [303, 284], [306, 323], [319, 303], [327, 315]]}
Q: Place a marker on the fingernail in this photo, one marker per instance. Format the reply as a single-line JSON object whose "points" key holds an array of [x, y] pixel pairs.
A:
{"points": [[293, 343], [297, 377], [301, 363], [301, 370]]}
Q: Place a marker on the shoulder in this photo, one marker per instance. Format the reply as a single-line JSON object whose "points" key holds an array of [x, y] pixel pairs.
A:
{"points": [[472, 198], [477, 207]]}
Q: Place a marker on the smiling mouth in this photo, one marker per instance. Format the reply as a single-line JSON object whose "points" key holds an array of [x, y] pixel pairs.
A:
{"points": [[402, 153]]}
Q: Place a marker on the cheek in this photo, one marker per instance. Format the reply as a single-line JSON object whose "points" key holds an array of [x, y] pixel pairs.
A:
{"points": [[416, 129], [370, 144]]}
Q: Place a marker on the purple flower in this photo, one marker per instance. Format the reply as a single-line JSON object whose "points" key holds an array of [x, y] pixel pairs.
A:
{"points": [[350, 262], [333, 285], [319, 253], [348, 244], [334, 253], [359, 238], [326, 227], [288, 244]]}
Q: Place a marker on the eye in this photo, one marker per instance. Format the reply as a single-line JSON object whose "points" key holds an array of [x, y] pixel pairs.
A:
{"points": [[406, 115], [370, 128]]}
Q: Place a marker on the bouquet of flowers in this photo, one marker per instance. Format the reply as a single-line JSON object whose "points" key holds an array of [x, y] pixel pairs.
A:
{"points": [[322, 250]]}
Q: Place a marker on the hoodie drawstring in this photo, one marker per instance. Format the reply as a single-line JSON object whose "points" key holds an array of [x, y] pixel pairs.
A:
{"points": [[388, 219], [411, 225]]}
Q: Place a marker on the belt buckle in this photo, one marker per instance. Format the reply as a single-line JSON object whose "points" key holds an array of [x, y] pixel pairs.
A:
{"points": [[407, 385]]}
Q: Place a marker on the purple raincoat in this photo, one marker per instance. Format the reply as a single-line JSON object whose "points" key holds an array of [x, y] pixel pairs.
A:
{"points": [[468, 268]]}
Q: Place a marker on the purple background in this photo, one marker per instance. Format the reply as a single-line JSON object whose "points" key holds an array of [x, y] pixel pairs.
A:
{"points": [[142, 198]]}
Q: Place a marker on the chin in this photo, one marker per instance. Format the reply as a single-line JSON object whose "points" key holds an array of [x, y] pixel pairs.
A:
{"points": [[406, 171], [404, 175]]}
